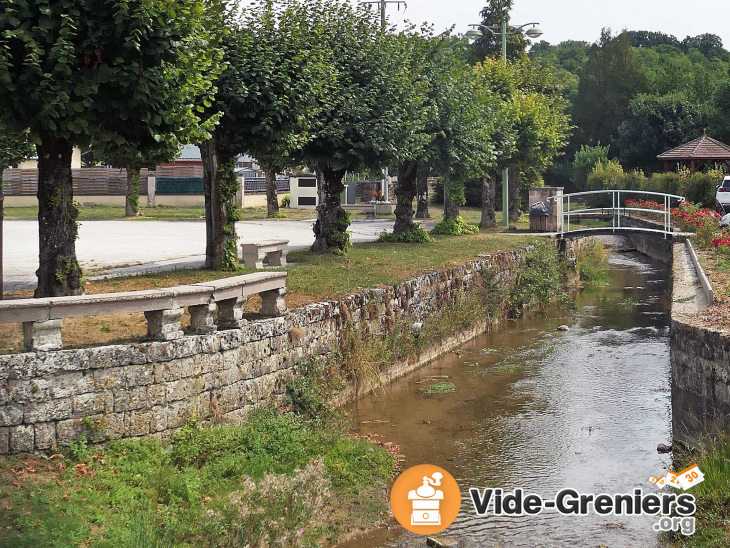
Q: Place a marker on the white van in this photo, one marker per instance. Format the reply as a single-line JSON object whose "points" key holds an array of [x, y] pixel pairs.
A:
{"points": [[723, 196]]}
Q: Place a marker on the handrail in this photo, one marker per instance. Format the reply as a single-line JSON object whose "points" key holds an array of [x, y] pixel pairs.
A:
{"points": [[42, 318], [616, 207]]}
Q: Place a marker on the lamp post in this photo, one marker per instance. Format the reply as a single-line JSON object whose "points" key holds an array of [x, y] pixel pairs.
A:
{"points": [[474, 34]]}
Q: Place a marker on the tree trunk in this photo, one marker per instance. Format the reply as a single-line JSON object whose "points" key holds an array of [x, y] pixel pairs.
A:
{"points": [[514, 194], [330, 230], [272, 199], [59, 273], [489, 184], [451, 207], [405, 191], [422, 192], [220, 208], [2, 219], [131, 206]]}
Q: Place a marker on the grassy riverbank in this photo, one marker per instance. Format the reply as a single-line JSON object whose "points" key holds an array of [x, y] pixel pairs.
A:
{"points": [[279, 479], [312, 277], [712, 495]]}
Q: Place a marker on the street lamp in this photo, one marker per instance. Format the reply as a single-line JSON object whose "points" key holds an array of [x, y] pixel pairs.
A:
{"points": [[476, 32]]}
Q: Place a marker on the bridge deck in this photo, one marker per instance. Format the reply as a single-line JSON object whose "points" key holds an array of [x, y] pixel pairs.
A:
{"points": [[611, 231]]}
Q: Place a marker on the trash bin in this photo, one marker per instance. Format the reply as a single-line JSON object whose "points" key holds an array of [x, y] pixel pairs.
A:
{"points": [[538, 217]]}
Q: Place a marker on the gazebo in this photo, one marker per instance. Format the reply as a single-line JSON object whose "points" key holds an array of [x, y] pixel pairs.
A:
{"points": [[701, 151]]}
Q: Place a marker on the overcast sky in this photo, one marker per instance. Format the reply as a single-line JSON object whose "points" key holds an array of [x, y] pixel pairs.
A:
{"points": [[581, 19]]}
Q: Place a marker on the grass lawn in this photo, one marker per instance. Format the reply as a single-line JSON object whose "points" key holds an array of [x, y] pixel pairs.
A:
{"points": [[312, 277], [276, 480], [160, 213]]}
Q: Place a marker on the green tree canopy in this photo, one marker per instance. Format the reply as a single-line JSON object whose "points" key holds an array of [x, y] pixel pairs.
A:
{"points": [[75, 70], [612, 76], [490, 44], [656, 124]]}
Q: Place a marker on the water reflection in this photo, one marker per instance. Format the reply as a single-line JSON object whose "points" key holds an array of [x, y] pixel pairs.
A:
{"points": [[542, 409]]}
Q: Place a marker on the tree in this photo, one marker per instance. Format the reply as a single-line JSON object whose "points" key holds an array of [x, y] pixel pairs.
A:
{"points": [[654, 125], [650, 39], [490, 44], [584, 161], [612, 76], [710, 45], [13, 150], [283, 80], [74, 70], [364, 121]]}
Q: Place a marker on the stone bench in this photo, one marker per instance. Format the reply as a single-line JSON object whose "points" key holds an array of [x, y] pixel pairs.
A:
{"points": [[275, 250], [42, 319]]}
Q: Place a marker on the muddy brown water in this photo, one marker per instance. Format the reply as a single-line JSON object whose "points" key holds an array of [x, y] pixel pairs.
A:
{"points": [[543, 410]]}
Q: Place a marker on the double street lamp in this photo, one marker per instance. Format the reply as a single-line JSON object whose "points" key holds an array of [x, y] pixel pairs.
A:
{"points": [[476, 32]]}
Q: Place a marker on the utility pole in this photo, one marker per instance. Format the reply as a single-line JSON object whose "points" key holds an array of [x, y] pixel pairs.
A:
{"points": [[382, 4], [384, 184]]}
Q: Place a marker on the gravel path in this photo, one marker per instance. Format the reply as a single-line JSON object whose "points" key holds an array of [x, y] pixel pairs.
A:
{"points": [[133, 247]]}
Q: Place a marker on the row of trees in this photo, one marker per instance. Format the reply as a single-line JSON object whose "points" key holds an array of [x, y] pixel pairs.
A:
{"points": [[319, 83]]}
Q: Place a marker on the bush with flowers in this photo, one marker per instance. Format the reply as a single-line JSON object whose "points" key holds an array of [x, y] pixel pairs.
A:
{"points": [[703, 222], [378, 198]]}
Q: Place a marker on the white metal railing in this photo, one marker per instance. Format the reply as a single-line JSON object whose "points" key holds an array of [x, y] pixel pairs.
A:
{"points": [[616, 208]]}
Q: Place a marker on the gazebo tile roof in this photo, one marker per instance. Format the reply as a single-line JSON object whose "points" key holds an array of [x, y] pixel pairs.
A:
{"points": [[702, 148]]}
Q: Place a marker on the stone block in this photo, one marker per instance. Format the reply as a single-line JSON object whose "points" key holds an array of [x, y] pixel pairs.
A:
{"points": [[202, 320], [68, 431], [137, 423], [85, 405], [70, 384], [157, 352], [10, 415], [230, 313], [45, 435], [158, 419], [53, 410], [179, 390], [156, 394], [164, 325], [130, 399], [231, 339], [21, 438], [140, 375], [4, 440], [179, 413], [42, 336], [105, 379]]}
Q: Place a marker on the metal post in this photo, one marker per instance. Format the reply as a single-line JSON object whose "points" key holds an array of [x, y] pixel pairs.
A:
{"points": [[382, 13], [505, 173], [619, 209], [568, 213]]}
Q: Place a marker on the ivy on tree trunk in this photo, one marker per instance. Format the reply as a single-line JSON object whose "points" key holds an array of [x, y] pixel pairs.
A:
{"points": [[514, 194], [330, 230], [272, 199], [489, 184], [405, 191], [131, 206], [422, 193], [220, 186], [59, 273], [451, 205]]}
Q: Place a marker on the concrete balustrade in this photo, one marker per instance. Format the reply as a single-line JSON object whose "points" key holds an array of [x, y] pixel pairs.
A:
{"points": [[42, 319]]}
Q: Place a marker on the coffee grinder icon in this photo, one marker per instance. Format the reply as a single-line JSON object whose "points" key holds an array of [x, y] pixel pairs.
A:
{"points": [[426, 501]]}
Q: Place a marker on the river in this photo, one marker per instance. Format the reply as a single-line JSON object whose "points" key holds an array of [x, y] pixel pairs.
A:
{"points": [[544, 409]]}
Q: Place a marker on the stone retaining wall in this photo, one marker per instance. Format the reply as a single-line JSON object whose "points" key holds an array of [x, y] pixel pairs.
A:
{"points": [[153, 389], [700, 358]]}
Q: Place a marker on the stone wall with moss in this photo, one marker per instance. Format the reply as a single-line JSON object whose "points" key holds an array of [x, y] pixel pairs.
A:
{"points": [[134, 390]]}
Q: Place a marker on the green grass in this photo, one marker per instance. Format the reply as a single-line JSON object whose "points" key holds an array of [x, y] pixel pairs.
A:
{"points": [[441, 388], [278, 476], [712, 495], [324, 276], [592, 264], [160, 213]]}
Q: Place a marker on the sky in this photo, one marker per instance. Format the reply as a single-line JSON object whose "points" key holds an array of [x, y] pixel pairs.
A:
{"points": [[582, 19]]}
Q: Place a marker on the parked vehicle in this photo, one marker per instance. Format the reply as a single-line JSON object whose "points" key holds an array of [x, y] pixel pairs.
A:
{"points": [[723, 196], [725, 221]]}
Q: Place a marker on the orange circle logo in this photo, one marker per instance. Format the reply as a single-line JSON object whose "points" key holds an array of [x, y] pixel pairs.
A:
{"points": [[425, 499]]}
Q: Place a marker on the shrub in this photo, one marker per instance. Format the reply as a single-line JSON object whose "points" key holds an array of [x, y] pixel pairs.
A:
{"points": [[454, 227], [585, 161], [592, 264], [703, 222], [416, 236], [701, 188], [609, 176], [278, 215], [286, 201], [668, 183], [539, 280]]}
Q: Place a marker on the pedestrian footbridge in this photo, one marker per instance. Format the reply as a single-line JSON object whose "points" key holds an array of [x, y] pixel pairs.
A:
{"points": [[621, 213]]}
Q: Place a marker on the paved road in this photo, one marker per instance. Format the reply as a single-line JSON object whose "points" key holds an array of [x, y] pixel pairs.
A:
{"points": [[139, 246]]}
